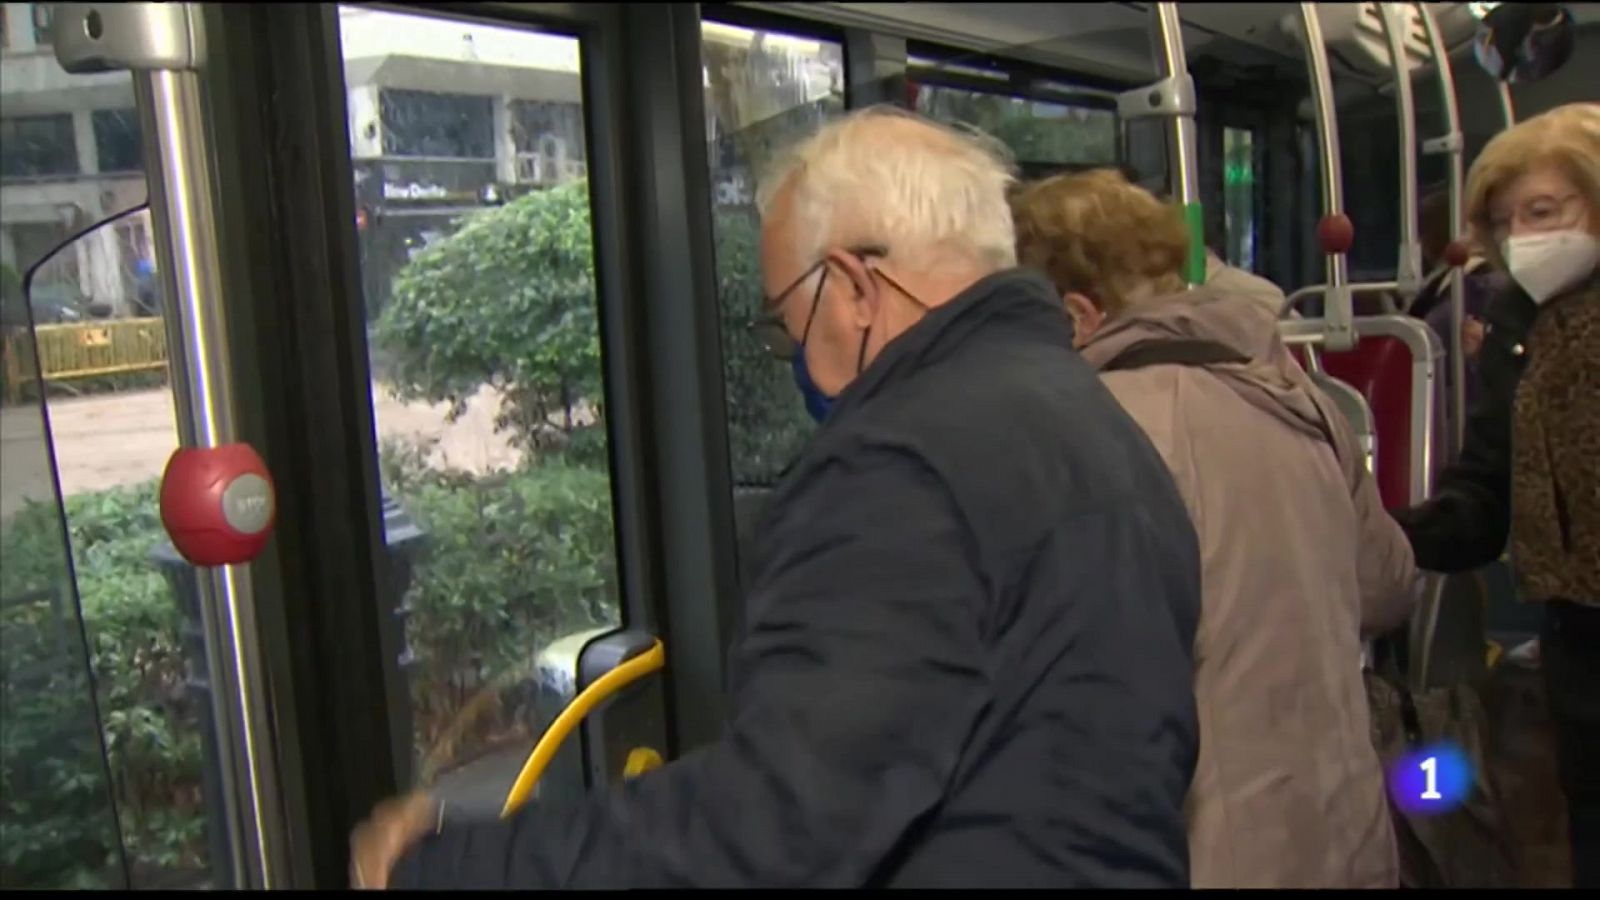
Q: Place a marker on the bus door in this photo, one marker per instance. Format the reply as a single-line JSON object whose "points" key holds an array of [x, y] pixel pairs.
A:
{"points": [[442, 337]]}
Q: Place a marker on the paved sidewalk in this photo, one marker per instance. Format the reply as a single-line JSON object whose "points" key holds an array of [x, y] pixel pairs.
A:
{"points": [[116, 439]]}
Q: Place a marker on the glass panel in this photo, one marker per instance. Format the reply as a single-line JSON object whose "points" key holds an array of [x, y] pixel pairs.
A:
{"points": [[37, 147], [58, 827], [764, 89], [100, 346], [116, 140], [474, 230], [1038, 132], [423, 123], [1239, 197]]}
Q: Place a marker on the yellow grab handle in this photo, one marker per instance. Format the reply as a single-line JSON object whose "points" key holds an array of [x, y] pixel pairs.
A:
{"points": [[590, 697]]}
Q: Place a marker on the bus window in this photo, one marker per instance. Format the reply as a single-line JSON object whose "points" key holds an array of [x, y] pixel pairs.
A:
{"points": [[1239, 197], [1038, 132], [764, 90], [473, 222]]}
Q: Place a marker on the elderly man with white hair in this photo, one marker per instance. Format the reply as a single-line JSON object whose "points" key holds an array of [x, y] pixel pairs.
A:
{"points": [[966, 653]]}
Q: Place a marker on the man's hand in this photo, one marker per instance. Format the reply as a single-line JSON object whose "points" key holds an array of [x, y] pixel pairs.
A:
{"points": [[377, 844]]}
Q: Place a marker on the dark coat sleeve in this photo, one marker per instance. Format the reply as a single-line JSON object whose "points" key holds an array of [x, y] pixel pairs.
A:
{"points": [[1466, 523], [854, 690]]}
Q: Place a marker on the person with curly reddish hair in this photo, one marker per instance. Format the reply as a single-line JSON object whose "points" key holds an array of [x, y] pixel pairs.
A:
{"points": [[1299, 561]]}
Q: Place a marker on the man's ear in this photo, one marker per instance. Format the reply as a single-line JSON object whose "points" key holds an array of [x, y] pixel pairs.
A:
{"points": [[864, 288], [1086, 317]]}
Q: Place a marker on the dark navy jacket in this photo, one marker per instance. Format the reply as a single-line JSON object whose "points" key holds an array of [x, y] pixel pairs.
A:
{"points": [[966, 657]]}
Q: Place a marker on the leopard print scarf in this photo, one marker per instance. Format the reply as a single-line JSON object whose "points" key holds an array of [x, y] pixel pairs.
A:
{"points": [[1555, 464]]}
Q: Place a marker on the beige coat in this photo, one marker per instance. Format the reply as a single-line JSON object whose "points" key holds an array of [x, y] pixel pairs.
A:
{"points": [[1230, 281], [1299, 563]]}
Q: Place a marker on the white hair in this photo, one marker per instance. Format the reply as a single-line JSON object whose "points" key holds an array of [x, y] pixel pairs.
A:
{"points": [[928, 193]]}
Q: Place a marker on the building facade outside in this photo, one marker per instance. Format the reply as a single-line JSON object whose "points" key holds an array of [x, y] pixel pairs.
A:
{"points": [[69, 156], [447, 118], [439, 128]]}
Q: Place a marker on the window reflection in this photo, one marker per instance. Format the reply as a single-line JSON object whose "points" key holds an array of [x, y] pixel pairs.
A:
{"points": [[1036, 131], [764, 89]]}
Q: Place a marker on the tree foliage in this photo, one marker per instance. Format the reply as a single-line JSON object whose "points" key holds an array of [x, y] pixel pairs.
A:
{"points": [[767, 422], [1034, 131], [507, 301], [57, 826]]}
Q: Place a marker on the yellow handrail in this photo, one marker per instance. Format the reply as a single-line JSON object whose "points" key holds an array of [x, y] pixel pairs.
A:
{"points": [[603, 689]]}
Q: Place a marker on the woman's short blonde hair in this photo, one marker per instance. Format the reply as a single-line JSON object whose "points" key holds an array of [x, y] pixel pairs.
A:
{"points": [[1096, 234], [1567, 137]]}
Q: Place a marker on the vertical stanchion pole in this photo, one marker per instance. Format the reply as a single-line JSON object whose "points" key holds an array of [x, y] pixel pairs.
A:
{"points": [[1337, 315], [1451, 144], [1408, 267], [1508, 109], [162, 44], [1183, 155]]}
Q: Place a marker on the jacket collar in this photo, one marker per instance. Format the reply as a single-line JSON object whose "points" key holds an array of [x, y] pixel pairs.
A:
{"points": [[1012, 296]]}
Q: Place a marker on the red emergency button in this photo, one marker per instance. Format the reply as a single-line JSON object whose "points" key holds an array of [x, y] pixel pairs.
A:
{"points": [[217, 504]]}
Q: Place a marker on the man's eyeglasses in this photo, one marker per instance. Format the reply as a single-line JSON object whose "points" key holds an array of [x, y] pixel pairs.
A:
{"points": [[770, 329]]}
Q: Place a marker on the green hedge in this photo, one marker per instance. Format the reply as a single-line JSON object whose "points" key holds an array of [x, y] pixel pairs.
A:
{"points": [[513, 560], [767, 422], [149, 717]]}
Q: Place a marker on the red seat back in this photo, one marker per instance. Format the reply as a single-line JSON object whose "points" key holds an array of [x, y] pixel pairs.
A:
{"points": [[1380, 367]]}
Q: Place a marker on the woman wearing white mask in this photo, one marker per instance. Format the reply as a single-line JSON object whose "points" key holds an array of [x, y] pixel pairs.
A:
{"points": [[1530, 467]]}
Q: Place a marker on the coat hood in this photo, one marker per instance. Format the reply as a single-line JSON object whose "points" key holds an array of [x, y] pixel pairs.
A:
{"points": [[1265, 375]]}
